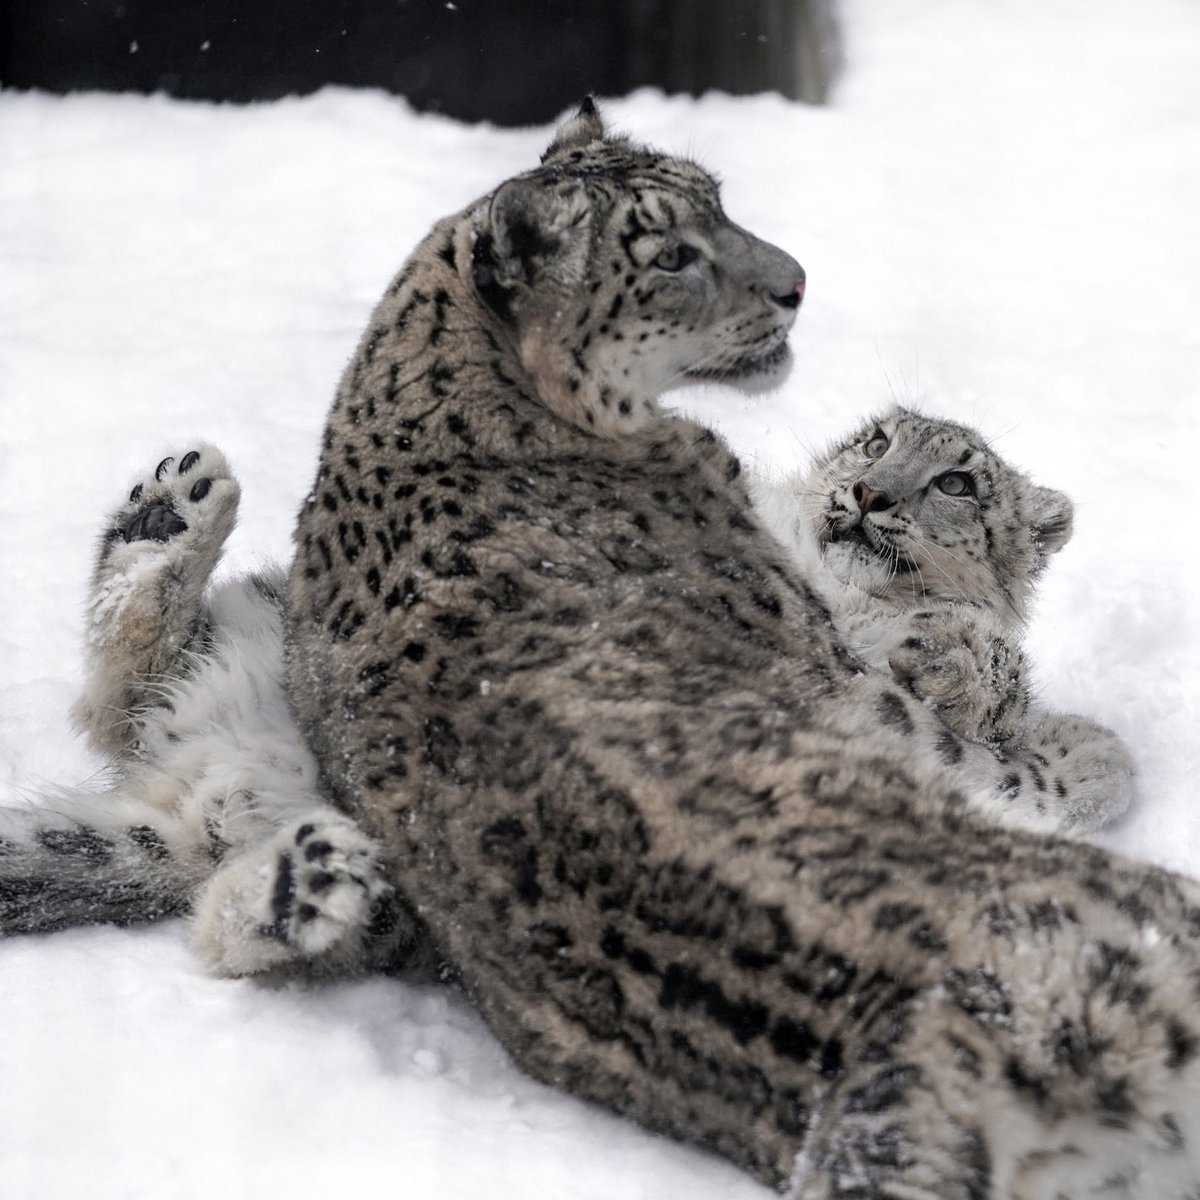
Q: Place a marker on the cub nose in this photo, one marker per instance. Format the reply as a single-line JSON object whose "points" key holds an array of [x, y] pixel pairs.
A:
{"points": [[792, 298], [870, 500]]}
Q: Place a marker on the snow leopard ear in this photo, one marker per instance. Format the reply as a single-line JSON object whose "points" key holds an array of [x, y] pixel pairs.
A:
{"points": [[585, 127], [536, 230], [1053, 519]]}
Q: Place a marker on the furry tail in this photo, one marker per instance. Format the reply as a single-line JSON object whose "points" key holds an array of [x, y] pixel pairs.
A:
{"points": [[77, 858]]}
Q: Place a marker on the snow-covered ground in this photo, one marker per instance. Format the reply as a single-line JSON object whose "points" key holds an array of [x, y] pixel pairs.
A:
{"points": [[999, 219]]}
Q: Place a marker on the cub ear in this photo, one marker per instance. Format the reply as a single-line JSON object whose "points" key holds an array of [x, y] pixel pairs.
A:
{"points": [[536, 229], [585, 127], [1053, 518]]}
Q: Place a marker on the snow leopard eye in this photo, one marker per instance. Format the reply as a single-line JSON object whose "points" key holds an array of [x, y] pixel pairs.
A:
{"points": [[676, 257], [876, 446], [956, 483]]}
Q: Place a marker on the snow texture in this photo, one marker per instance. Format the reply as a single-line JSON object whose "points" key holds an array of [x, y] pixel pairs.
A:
{"points": [[998, 218]]}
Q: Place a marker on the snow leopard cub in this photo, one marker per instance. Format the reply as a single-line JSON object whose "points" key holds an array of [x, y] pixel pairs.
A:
{"points": [[213, 805], [926, 545]]}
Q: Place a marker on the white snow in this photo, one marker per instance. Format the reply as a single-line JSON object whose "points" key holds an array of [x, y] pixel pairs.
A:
{"points": [[999, 219]]}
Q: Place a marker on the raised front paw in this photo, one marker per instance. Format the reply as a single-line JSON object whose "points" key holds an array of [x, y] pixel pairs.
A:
{"points": [[189, 492], [145, 603], [973, 676]]}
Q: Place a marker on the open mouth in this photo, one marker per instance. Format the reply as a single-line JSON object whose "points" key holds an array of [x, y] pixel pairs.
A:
{"points": [[857, 537], [855, 534], [748, 370]]}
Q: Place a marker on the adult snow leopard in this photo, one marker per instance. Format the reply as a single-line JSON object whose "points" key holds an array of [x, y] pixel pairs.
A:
{"points": [[688, 856], [926, 546]]}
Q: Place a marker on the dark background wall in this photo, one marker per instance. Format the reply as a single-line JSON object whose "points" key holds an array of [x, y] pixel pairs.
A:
{"points": [[508, 61]]}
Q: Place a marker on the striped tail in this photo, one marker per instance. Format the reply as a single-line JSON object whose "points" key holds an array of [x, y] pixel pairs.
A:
{"points": [[79, 858]]}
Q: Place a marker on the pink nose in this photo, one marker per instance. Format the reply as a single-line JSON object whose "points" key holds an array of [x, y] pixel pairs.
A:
{"points": [[870, 500], [792, 297]]}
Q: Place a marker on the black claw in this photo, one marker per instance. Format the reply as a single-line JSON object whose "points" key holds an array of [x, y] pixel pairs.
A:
{"points": [[161, 469], [157, 523], [136, 493], [201, 489], [189, 460]]}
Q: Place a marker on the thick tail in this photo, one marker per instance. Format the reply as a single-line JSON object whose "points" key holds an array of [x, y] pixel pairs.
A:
{"points": [[78, 858]]}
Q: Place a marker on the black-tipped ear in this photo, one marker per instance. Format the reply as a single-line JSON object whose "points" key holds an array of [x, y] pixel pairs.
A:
{"points": [[585, 127], [1053, 519], [535, 228]]}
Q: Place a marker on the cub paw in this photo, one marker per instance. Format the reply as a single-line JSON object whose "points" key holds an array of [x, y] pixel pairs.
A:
{"points": [[326, 881], [1089, 771], [190, 492], [944, 675], [145, 601], [308, 899], [973, 678]]}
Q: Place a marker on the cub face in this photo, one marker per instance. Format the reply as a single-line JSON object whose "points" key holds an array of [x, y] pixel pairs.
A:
{"points": [[619, 275], [909, 507]]}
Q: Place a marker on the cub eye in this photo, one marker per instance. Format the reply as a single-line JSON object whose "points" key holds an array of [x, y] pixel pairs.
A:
{"points": [[676, 257], [876, 447], [956, 483]]}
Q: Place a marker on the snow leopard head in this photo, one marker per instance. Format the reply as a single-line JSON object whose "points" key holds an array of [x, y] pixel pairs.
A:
{"points": [[911, 506], [616, 273]]}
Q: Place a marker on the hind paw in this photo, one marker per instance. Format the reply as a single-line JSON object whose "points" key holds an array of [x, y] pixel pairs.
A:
{"points": [[306, 899], [326, 881]]}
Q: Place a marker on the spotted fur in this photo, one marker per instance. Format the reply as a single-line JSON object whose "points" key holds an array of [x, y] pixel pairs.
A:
{"points": [[927, 547], [687, 855]]}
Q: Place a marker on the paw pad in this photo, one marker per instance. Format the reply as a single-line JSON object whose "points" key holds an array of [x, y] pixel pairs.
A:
{"points": [[158, 523], [158, 507], [327, 884]]}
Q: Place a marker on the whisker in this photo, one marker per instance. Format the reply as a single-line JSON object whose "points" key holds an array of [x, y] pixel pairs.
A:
{"points": [[956, 584]]}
